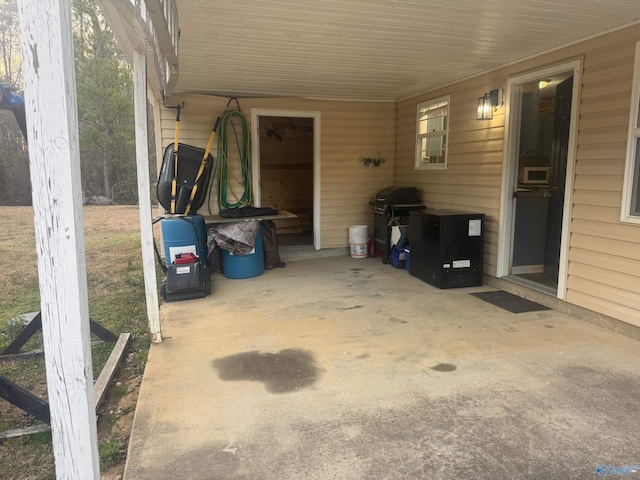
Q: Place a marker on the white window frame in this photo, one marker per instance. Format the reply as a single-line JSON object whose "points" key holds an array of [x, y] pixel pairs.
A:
{"points": [[631, 186], [419, 165]]}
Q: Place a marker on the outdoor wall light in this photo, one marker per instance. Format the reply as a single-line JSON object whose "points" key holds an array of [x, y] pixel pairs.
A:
{"points": [[487, 103]]}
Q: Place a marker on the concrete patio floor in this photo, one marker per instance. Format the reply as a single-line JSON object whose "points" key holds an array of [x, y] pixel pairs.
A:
{"points": [[341, 368]]}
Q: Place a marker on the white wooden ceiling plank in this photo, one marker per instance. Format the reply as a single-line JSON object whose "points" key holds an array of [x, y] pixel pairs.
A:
{"points": [[387, 48]]}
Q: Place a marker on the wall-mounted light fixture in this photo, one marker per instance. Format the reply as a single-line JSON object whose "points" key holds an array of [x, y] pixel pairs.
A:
{"points": [[487, 103], [543, 83]]}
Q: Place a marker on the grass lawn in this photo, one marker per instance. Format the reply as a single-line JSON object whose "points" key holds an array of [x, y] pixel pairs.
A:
{"points": [[116, 301]]}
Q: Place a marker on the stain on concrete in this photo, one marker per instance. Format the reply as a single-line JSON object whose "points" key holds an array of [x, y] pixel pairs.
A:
{"points": [[286, 371], [397, 320], [357, 269], [444, 367], [363, 356], [548, 326], [349, 308]]}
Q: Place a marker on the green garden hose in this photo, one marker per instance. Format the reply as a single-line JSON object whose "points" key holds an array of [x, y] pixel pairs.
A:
{"points": [[243, 146]]}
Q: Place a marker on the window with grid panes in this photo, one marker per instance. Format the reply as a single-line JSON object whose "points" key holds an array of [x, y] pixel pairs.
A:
{"points": [[431, 137]]}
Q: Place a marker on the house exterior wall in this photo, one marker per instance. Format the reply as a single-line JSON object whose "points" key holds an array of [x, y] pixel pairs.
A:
{"points": [[604, 253], [349, 130], [603, 273]]}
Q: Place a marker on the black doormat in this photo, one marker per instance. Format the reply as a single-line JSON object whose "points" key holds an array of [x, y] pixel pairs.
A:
{"points": [[510, 302]]}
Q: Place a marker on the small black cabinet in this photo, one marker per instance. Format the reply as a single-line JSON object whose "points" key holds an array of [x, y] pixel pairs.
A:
{"points": [[447, 247]]}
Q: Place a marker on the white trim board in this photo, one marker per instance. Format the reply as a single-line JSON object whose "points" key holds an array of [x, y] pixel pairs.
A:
{"points": [[509, 170], [255, 158]]}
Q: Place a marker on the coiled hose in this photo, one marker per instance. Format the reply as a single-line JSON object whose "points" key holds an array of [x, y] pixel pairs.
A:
{"points": [[231, 122]]}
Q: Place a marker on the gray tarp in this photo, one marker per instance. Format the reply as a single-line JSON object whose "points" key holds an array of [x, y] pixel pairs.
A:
{"points": [[239, 238]]}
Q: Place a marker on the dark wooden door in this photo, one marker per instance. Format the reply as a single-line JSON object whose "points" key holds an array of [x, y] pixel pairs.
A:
{"points": [[559, 154]]}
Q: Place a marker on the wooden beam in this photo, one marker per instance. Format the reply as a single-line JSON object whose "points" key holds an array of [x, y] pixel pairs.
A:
{"points": [[101, 332], [164, 16], [102, 383], [133, 24], [39, 409], [33, 353], [19, 432], [25, 400], [144, 193], [54, 155], [34, 325]]}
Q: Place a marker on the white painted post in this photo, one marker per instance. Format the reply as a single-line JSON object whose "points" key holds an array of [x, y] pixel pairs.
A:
{"points": [[52, 129], [144, 192]]}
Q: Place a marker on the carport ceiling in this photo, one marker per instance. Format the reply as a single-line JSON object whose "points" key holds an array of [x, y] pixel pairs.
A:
{"points": [[372, 49]]}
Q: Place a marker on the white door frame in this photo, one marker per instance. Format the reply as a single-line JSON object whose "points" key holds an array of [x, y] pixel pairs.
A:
{"points": [[255, 159], [510, 174]]}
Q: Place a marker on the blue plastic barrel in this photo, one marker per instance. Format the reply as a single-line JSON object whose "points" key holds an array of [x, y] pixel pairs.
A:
{"points": [[245, 266], [179, 234]]}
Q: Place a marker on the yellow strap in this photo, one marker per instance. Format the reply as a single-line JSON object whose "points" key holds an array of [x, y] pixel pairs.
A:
{"points": [[200, 171], [175, 164], [202, 165]]}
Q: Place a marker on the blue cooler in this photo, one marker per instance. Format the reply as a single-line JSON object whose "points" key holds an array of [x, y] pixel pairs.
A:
{"points": [[245, 266], [397, 257]]}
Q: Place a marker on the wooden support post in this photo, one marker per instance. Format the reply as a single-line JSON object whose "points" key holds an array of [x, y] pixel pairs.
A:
{"points": [[54, 154], [144, 196]]}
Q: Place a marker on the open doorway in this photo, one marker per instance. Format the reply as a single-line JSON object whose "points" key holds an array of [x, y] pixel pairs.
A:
{"points": [[284, 172], [540, 134]]}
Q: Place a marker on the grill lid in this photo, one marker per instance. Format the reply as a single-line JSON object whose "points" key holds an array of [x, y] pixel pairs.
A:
{"points": [[397, 195]]}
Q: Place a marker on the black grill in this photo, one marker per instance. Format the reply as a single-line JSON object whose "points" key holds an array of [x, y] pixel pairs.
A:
{"points": [[391, 207]]}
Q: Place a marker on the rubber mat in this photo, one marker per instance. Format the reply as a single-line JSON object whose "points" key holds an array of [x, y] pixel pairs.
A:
{"points": [[510, 302]]}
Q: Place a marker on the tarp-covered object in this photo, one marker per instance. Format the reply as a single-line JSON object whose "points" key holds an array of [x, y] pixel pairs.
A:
{"points": [[239, 238]]}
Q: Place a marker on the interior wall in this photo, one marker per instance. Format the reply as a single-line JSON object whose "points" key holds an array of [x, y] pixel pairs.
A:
{"points": [[604, 253], [349, 130], [286, 165]]}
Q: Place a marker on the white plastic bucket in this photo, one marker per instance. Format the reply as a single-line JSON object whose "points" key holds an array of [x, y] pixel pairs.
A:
{"points": [[358, 240]]}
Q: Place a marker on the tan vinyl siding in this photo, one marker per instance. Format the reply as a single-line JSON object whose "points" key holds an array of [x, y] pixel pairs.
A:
{"points": [[604, 253], [604, 270], [473, 177], [349, 130]]}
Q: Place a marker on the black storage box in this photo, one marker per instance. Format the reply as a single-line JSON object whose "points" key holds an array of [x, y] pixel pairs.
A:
{"points": [[447, 248]]}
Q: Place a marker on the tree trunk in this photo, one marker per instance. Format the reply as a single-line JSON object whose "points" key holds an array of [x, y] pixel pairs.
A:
{"points": [[105, 171]]}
